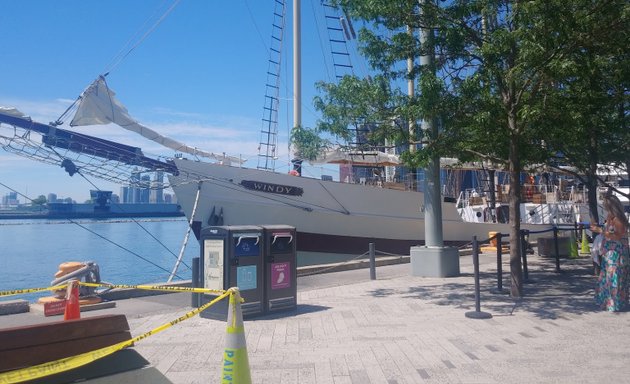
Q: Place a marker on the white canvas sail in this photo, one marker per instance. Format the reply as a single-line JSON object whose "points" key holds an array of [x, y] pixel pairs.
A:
{"points": [[98, 105]]}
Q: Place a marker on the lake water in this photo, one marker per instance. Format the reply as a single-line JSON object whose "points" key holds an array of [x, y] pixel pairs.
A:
{"points": [[31, 250]]}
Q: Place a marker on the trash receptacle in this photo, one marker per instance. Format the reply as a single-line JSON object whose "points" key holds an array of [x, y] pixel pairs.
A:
{"points": [[280, 268], [232, 256]]}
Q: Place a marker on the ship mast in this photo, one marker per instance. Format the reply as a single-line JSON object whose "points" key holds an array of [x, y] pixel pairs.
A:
{"points": [[297, 75], [297, 64]]}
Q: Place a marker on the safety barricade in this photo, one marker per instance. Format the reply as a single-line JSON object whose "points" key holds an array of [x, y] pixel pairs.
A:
{"points": [[235, 364]]}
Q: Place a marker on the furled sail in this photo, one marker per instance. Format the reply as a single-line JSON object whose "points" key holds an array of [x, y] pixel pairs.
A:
{"points": [[98, 105]]}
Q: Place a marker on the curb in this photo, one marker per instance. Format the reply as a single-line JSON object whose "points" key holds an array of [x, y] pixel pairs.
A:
{"points": [[11, 307], [128, 293], [350, 265]]}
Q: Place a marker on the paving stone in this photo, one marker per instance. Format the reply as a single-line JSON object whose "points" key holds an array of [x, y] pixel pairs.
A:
{"points": [[402, 329]]}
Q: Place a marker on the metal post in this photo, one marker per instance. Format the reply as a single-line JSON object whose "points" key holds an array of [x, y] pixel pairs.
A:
{"points": [[297, 64], [499, 263], [555, 244], [372, 263], [477, 314], [524, 233], [433, 235], [432, 259], [196, 281], [499, 288]]}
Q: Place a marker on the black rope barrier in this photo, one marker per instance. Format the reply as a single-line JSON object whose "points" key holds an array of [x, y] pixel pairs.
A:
{"points": [[524, 246], [540, 231]]}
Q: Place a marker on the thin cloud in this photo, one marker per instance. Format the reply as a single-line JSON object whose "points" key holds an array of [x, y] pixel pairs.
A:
{"points": [[39, 110]]}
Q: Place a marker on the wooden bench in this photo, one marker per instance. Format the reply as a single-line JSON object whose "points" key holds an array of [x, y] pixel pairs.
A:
{"points": [[30, 345]]}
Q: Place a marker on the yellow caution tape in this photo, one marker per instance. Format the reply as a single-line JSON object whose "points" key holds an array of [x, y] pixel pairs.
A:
{"points": [[156, 288], [68, 363], [145, 287], [31, 290]]}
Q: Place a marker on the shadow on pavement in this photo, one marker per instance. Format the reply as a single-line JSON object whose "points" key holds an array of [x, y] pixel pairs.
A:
{"points": [[546, 293]]}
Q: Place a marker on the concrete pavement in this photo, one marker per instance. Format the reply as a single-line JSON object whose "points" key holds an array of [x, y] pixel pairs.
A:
{"points": [[403, 329]]}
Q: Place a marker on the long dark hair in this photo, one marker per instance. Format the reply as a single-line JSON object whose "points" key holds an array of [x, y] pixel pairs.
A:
{"points": [[613, 206]]}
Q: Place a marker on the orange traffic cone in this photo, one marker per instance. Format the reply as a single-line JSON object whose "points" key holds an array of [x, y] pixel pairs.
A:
{"points": [[235, 361], [73, 308]]}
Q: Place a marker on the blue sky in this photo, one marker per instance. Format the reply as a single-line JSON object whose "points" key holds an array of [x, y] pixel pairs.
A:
{"points": [[199, 77]]}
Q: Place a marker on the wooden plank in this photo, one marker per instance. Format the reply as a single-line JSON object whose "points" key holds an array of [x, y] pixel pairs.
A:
{"points": [[38, 354], [48, 333]]}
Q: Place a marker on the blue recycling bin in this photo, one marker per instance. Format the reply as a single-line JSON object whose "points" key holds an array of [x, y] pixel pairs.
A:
{"points": [[280, 277], [232, 256]]}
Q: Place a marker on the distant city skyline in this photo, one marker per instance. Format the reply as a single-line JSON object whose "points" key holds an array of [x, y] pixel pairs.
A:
{"points": [[13, 199]]}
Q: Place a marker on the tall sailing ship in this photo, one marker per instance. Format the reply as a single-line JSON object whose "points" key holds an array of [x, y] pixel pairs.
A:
{"points": [[331, 217]]}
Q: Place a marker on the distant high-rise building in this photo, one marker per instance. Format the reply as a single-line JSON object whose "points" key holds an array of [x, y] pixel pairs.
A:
{"points": [[157, 188], [145, 188], [160, 190], [10, 200], [125, 194], [134, 187], [52, 198], [136, 196], [142, 189]]}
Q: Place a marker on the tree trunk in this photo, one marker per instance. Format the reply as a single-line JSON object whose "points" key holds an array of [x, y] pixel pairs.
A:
{"points": [[591, 176], [591, 184], [514, 165]]}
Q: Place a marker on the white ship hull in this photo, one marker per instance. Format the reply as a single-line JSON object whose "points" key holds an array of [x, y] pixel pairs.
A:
{"points": [[330, 217]]}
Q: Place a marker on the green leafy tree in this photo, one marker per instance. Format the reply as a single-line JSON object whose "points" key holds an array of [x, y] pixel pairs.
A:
{"points": [[497, 64], [585, 106], [39, 200]]}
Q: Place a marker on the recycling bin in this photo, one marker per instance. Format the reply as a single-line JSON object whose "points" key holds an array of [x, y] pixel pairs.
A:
{"points": [[232, 256], [280, 293]]}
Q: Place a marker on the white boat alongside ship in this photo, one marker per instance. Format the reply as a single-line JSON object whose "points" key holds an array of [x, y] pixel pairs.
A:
{"points": [[542, 203]]}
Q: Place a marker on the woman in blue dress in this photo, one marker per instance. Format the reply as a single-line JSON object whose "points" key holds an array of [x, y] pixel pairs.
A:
{"points": [[611, 292]]}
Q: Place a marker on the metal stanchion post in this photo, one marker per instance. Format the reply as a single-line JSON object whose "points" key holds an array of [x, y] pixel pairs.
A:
{"points": [[196, 281], [555, 244], [477, 314], [372, 262], [524, 233], [499, 288]]}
